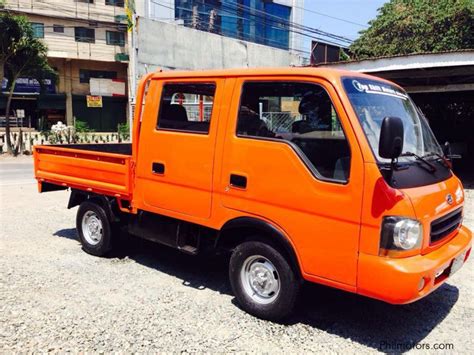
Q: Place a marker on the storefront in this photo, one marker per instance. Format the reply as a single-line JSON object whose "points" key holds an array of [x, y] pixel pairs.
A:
{"points": [[105, 117], [32, 106]]}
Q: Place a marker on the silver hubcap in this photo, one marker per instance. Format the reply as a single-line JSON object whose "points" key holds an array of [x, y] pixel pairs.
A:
{"points": [[260, 279], [92, 228]]}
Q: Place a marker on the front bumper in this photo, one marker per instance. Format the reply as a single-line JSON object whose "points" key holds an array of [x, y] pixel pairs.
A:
{"points": [[399, 280]]}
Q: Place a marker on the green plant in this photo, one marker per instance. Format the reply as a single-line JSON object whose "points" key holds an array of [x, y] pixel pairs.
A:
{"points": [[343, 56], [82, 127], [123, 130]]}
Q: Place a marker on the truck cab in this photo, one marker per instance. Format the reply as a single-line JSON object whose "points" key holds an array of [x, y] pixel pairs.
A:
{"points": [[300, 174]]}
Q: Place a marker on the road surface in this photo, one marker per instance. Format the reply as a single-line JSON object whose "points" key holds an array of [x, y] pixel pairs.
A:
{"points": [[149, 298]]}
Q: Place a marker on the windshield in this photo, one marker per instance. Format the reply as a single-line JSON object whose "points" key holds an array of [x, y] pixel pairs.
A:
{"points": [[374, 100]]}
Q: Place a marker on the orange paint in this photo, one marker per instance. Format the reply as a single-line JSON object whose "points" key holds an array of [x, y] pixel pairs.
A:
{"points": [[333, 228]]}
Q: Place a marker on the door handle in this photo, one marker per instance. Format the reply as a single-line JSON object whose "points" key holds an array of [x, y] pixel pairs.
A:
{"points": [[158, 168], [239, 181]]}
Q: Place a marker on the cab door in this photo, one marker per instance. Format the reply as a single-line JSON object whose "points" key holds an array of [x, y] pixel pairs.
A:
{"points": [[176, 147], [292, 159]]}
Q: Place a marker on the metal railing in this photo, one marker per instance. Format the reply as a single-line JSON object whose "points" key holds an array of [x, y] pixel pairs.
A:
{"points": [[193, 112], [280, 122], [14, 122]]}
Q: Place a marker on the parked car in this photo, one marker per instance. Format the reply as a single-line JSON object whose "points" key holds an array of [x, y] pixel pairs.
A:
{"points": [[355, 194]]}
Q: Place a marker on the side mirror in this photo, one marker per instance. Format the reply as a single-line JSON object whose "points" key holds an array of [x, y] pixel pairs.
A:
{"points": [[391, 138]]}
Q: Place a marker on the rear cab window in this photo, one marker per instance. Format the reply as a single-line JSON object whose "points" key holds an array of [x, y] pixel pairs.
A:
{"points": [[302, 115], [186, 107]]}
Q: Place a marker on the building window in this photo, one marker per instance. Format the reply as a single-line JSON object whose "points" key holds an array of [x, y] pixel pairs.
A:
{"points": [[38, 29], [115, 38], [86, 1], [58, 28], [277, 33], [84, 34], [301, 115], [85, 75], [115, 2], [186, 107], [259, 21]]}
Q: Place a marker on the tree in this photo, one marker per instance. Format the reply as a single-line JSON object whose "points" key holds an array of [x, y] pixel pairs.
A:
{"points": [[414, 26], [28, 58], [13, 30]]}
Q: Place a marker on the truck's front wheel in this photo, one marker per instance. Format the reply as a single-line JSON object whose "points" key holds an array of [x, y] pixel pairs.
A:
{"points": [[94, 228], [263, 281]]}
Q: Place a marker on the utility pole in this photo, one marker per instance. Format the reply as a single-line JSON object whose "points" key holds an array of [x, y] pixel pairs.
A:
{"points": [[195, 17], [132, 70], [212, 20]]}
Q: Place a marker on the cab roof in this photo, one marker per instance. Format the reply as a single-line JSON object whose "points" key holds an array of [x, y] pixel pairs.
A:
{"points": [[326, 73]]}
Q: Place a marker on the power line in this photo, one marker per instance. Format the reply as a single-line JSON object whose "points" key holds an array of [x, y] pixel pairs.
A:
{"points": [[263, 16], [330, 16], [260, 17], [257, 37], [280, 20]]}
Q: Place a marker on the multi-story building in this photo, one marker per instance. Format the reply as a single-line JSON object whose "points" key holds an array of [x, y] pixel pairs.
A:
{"points": [[213, 34], [88, 46], [264, 22]]}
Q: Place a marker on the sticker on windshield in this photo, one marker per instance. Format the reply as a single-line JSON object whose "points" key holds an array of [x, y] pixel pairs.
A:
{"points": [[378, 89]]}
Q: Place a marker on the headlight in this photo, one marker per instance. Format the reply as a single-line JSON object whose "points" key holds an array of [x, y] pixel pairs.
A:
{"points": [[406, 234], [399, 233]]}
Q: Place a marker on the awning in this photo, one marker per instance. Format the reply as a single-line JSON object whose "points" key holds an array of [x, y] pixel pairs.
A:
{"points": [[52, 102]]}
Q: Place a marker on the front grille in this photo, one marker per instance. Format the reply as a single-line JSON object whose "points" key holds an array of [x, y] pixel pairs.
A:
{"points": [[444, 226]]}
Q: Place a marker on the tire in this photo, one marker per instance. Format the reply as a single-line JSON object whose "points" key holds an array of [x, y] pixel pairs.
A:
{"points": [[94, 228], [272, 291]]}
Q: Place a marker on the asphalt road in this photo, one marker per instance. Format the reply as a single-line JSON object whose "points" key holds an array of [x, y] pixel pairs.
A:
{"points": [[16, 171], [145, 297]]}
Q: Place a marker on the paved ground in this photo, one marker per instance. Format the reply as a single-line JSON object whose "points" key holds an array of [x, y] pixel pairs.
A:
{"points": [[54, 297], [15, 171]]}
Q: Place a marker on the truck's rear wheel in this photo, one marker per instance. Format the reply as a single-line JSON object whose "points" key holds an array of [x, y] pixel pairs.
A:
{"points": [[94, 229], [263, 281]]}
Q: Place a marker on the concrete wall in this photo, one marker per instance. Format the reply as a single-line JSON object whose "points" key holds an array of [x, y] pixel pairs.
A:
{"points": [[163, 10], [168, 46]]}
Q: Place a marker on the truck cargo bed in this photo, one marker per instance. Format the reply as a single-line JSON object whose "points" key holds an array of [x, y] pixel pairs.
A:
{"points": [[99, 168]]}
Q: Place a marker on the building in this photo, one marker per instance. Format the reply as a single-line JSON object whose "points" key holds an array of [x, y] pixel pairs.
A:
{"points": [[442, 85], [259, 21], [213, 34], [88, 46]]}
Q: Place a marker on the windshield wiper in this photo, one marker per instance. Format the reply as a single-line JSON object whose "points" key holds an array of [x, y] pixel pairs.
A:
{"points": [[427, 164], [445, 160]]}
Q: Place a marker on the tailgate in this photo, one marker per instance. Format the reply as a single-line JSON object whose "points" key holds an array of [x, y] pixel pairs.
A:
{"points": [[99, 172]]}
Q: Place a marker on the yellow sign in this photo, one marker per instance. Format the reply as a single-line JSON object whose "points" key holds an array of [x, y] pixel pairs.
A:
{"points": [[130, 11], [94, 101]]}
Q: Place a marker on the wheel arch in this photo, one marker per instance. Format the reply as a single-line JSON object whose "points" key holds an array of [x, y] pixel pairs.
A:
{"points": [[241, 229], [109, 204]]}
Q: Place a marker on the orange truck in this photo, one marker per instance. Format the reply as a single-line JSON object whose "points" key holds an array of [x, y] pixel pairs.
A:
{"points": [[300, 174]]}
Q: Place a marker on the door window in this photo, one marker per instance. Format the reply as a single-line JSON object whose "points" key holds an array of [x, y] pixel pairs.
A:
{"points": [[299, 114], [186, 107]]}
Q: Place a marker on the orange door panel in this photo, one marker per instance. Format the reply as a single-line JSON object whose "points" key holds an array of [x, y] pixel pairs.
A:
{"points": [[174, 171], [321, 218]]}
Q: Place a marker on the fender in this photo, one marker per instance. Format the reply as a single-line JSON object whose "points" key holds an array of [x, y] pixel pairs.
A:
{"points": [[270, 231], [77, 197]]}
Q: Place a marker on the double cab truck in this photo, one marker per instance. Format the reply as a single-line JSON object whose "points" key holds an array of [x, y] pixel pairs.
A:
{"points": [[300, 174]]}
